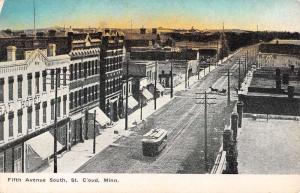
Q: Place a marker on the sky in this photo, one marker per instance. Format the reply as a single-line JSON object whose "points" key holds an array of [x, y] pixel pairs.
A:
{"points": [[278, 15]]}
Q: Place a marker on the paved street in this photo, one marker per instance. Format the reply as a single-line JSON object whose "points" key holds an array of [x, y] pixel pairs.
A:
{"points": [[183, 118]]}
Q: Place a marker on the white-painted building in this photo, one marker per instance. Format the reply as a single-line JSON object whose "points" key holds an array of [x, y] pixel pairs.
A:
{"points": [[27, 106]]}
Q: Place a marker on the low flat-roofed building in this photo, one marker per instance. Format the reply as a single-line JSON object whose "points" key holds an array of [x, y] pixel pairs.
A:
{"points": [[269, 93], [269, 146]]}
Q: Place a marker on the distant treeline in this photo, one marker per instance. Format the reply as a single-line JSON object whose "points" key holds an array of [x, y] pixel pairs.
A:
{"points": [[235, 40]]}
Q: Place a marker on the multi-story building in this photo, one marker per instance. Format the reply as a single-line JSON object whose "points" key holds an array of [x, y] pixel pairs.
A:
{"points": [[84, 84], [27, 106], [111, 72]]}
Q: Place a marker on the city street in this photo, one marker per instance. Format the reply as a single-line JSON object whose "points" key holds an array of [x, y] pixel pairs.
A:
{"points": [[183, 118]]}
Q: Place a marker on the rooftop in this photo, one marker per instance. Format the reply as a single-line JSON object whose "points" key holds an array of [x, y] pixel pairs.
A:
{"points": [[269, 147]]}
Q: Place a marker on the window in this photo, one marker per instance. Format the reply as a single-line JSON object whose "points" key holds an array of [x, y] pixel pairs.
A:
{"points": [[29, 118], [85, 69], [71, 72], [52, 109], [96, 92], [75, 99], [1, 162], [37, 115], [2, 127], [52, 79], [18, 159], [11, 124], [29, 79], [79, 69], [64, 76], [71, 100], [37, 82], [89, 68], [44, 112], [79, 98], [58, 106], [85, 95], [44, 81], [1, 90], [20, 81], [58, 78], [11, 88], [75, 71], [20, 114], [64, 104]]}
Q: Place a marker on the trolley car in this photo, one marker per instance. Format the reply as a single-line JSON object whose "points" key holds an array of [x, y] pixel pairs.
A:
{"points": [[154, 142]]}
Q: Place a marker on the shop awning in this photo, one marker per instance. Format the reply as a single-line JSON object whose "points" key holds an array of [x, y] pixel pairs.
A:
{"points": [[76, 116], [101, 117], [160, 87], [131, 102], [43, 145], [147, 94]]}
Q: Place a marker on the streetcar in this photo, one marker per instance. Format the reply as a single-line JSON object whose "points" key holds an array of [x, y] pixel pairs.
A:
{"points": [[154, 142]]}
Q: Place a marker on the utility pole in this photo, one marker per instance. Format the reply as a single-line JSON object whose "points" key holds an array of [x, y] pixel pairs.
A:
{"points": [[205, 125], [141, 105], [246, 64], [239, 82], [186, 68], [94, 141], [228, 88], [228, 74], [126, 105], [171, 93], [57, 73], [155, 76]]}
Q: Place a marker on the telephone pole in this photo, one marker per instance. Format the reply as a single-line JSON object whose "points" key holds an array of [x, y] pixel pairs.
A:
{"points": [[228, 74], [239, 81], [171, 73], [155, 76], [57, 73], [206, 103], [141, 105], [94, 140], [126, 105]]}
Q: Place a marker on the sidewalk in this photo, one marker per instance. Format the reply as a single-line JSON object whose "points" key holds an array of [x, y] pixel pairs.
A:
{"points": [[79, 154]]}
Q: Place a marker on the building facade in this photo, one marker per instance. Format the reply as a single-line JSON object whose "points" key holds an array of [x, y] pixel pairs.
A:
{"points": [[112, 57], [84, 70], [27, 107]]}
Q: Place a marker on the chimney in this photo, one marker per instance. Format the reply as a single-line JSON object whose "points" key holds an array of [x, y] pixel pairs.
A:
{"points": [[285, 78], [11, 53], [51, 50], [106, 31], [291, 91], [154, 30], [51, 33], [292, 68], [143, 30], [278, 79]]}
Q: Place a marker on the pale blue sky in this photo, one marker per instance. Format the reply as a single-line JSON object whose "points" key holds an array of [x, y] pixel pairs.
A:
{"points": [[202, 14]]}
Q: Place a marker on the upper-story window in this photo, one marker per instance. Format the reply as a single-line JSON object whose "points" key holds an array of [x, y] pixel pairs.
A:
{"points": [[37, 82], [29, 82], [11, 88], [1, 90], [20, 82], [79, 70], [2, 118], [20, 121], [44, 81], [52, 79], [64, 76], [75, 71], [71, 72], [58, 77], [11, 124]]}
